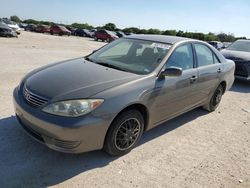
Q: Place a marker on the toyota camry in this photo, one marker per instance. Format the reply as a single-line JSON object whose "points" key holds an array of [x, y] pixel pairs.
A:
{"points": [[108, 99]]}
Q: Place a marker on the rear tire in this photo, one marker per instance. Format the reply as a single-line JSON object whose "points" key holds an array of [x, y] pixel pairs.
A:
{"points": [[124, 133], [215, 99]]}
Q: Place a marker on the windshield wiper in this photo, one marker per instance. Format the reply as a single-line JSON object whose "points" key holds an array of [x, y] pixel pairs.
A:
{"points": [[111, 66]]}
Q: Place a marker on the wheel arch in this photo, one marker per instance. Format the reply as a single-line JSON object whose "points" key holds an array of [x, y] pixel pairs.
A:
{"points": [[136, 106]]}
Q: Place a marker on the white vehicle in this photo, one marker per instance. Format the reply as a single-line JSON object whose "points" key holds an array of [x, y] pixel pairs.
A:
{"points": [[12, 25]]}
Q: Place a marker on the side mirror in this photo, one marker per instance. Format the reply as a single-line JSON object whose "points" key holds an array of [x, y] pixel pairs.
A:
{"points": [[171, 72]]}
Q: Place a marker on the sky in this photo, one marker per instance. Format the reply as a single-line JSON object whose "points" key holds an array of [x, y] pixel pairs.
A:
{"points": [[229, 16]]}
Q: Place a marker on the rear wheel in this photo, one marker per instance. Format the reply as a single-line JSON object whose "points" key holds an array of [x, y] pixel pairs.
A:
{"points": [[215, 99], [124, 133]]}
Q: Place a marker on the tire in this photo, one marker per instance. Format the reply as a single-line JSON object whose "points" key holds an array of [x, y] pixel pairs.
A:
{"points": [[124, 133], [51, 33], [215, 99], [96, 39]]}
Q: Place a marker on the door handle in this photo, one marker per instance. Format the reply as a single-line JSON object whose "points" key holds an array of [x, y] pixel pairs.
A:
{"points": [[193, 79], [219, 70]]}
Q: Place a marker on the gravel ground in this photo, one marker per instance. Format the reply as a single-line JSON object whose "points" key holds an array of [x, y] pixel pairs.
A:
{"points": [[197, 149]]}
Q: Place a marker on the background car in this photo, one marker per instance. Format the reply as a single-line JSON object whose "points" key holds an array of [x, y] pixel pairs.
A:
{"points": [[22, 25], [82, 33], [6, 31], [218, 45], [120, 34], [59, 30], [226, 44], [30, 27], [105, 35], [12, 25], [92, 32], [239, 52], [42, 29], [71, 29]]}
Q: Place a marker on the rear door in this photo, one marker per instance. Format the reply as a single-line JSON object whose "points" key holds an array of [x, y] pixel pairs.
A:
{"points": [[209, 70]]}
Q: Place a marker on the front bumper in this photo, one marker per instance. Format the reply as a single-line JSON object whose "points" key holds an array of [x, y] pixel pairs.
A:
{"points": [[242, 70], [70, 135]]}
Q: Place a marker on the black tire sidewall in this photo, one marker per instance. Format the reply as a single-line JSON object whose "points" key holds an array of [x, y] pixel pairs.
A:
{"points": [[109, 145], [211, 106]]}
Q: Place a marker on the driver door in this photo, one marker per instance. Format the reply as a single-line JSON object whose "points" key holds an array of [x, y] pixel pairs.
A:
{"points": [[174, 95]]}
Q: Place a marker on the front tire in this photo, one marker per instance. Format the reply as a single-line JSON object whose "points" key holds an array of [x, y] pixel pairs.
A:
{"points": [[124, 133], [215, 99]]}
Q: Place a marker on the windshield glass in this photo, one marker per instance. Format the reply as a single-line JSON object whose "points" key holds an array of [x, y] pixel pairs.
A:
{"points": [[240, 46], [136, 56]]}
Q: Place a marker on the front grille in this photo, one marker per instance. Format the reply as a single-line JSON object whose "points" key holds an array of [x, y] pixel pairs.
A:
{"points": [[33, 99], [241, 69]]}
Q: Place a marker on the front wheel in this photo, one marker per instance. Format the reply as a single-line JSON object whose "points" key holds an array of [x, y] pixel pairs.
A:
{"points": [[215, 100], [124, 133]]}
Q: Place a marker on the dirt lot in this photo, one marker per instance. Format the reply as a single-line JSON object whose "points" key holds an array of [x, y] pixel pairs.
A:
{"points": [[196, 149]]}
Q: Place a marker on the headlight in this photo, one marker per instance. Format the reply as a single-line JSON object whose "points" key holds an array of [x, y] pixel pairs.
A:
{"points": [[73, 108]]}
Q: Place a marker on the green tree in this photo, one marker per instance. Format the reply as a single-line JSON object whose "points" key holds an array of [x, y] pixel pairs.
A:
{"points": [[15, 19], [179, 33], [199, 36], [211, 37], [31, 21], [143, 31], [170, 32], [132, 30], [110, 26], [188, 35], [154, 31], [46, 23], [82, 26]]}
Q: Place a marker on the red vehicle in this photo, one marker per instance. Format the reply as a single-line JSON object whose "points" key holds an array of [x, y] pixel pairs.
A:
{"points": [[42, 29], [105, 35], [59, 30]]}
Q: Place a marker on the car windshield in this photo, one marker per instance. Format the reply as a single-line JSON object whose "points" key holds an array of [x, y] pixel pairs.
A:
{"points": [[240, 46], [130, 55]]}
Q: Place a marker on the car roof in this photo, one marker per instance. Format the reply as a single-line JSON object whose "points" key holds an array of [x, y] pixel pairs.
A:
{"points": [[243, 40], [160, 38]]}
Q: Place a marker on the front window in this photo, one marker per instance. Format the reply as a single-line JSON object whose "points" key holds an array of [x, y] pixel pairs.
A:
{"points": [[136, 56], [240, 46], [182, 57]]}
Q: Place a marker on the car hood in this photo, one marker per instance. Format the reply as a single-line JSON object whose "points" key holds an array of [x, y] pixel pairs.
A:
{"points": [[13, 26], [236, 55], [75, 79]]}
